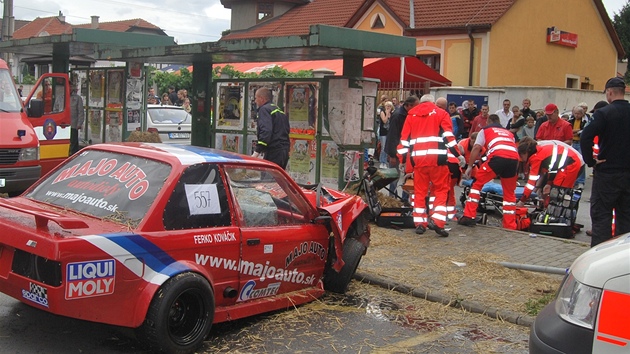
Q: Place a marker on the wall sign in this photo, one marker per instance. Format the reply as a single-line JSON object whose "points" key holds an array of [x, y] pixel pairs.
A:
{"points": [[563, 38]]}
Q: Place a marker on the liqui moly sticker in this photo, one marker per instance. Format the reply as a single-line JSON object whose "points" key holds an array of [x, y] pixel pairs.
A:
{"points": [[88, 279]]}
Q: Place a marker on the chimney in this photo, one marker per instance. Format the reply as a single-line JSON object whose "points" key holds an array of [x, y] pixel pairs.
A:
{"points": [[61, 17], [94, 22]]}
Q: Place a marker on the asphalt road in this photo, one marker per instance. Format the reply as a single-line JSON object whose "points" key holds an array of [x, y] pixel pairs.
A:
{"points": [[366, 320]]}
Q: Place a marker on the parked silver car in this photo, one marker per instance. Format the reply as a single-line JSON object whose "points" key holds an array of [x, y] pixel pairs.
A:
{"points": [[171, 122]]}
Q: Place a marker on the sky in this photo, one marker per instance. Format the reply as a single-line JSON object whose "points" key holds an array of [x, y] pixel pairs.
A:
{"points": [[188, 21]]}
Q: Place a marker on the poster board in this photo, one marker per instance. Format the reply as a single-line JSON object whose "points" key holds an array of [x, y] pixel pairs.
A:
{"points": [[301, 100], [302, 160], [229, 110], [252, 116], [345, 108]]}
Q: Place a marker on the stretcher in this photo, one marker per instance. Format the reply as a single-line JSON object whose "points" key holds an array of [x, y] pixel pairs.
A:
{"points": [[552, 216], [491, 196]]}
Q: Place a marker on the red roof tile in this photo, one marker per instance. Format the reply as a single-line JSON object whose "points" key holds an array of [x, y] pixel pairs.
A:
{"points": [[41, 27], [429, 14], [52, 26]]}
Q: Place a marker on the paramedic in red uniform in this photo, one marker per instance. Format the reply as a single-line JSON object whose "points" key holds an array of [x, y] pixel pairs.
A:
{"points": [[502, 161], [559, 160], [427, 135]]}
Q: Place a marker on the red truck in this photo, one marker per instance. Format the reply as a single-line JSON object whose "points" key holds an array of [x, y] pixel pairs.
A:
{"points": [[19, 146], [34, 135]]}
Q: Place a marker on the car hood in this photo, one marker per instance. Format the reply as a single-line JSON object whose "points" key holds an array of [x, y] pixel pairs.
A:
{"points": [[605, 261]]}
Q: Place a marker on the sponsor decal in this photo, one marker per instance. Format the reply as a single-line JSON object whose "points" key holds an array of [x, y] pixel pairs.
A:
{"points": [[249, 291], [88, 279], [225, 236], [37, 294], [129, 175], [262, 271], [268, 249], [306, 248]]}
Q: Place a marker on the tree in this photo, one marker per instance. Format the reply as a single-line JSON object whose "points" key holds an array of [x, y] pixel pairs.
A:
{"points": [[621, 23], [181, 80]]}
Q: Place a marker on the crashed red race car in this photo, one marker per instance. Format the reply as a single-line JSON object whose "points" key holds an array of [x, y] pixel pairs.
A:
{"points": [[170, 239]]}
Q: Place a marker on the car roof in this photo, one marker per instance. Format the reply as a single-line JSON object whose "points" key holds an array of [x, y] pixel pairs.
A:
{"points": [[164, 106], [179, 153]]}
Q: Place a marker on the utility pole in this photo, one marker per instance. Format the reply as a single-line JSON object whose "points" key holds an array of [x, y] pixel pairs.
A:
{"points": [[8, 26]]}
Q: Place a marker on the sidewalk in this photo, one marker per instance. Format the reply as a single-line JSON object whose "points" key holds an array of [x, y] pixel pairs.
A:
{"points": [[461, 270]]}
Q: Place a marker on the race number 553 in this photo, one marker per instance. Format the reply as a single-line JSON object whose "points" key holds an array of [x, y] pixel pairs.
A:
{"points": [[202, 199]]}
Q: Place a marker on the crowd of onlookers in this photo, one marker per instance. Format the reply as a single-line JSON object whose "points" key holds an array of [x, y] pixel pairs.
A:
{"points": [[172, 97]]}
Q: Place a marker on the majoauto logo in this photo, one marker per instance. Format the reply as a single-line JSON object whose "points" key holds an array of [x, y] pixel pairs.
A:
{"points": [[87, 279], [36, 293], [249, 291]]}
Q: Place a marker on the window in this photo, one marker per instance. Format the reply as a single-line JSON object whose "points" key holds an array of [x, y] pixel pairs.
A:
{"points": [[572, 82], [378, 21], [432, 61], [265, 198], [199, 200], [265, 11]]}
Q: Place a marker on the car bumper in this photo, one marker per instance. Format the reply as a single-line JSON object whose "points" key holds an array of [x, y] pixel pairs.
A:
{"points": [[18, 179], [550, 334]]}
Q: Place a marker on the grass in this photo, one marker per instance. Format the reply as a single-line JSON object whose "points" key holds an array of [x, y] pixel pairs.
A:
{"points": [[534, 306]]}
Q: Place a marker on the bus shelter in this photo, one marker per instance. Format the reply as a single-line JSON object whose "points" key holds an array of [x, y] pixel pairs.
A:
{"points": [[332, 119]]}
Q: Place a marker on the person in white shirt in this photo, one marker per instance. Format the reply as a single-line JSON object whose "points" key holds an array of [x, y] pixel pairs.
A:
{"points": [[505, 114]]}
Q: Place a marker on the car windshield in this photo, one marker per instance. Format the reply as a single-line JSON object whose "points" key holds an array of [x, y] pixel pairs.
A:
{"points": [[9, 99], [166, 115], [104, 184]]}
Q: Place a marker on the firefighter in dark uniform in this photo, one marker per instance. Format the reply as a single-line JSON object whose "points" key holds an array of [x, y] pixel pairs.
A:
{"points": [[272, 131]]}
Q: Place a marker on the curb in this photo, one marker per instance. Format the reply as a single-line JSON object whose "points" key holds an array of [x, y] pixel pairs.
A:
{"points": [[390, 284]]}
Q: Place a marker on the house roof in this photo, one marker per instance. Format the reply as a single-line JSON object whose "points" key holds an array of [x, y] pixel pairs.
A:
{"points": [[43, 26], [429, 14], [430, 17]]}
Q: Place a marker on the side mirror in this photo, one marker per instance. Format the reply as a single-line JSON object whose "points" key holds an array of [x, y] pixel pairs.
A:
{"points": [[322, 220], [35, 108]]}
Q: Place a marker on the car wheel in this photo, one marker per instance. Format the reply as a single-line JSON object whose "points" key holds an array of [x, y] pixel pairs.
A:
{"points": [[353, 251], [180, 315]]}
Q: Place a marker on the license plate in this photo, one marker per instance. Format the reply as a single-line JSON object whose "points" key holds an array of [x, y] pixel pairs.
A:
{"points": [[3, 182], [179, 135]]}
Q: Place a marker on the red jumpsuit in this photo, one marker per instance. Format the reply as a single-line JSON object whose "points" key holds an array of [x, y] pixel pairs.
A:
{"points": [[502, 161], [427, 135], [553, 157]]}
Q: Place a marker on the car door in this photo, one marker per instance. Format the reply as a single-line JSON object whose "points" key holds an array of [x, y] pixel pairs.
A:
{"points": [[282, 250], [198, 219]]}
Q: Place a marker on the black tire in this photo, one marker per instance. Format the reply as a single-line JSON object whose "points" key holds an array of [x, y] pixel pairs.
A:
{"points": [[353, 251], [180, 315]]}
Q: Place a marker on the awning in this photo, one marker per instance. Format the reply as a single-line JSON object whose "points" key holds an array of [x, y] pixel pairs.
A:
{"points": [[386, 70]]}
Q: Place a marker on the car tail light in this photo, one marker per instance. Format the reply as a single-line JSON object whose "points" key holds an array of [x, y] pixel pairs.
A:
{"points": [[578, 303]]}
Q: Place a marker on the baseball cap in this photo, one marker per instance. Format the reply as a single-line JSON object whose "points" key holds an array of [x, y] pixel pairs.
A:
{"points": [[615, 82], [550, 108]]}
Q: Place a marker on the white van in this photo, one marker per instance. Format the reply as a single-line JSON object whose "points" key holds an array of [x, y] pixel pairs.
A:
{"points": [[591, 312], [171, 122]]}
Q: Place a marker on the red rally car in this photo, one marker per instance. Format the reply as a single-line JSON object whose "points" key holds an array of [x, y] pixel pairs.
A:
{"points": [[169, 239]]}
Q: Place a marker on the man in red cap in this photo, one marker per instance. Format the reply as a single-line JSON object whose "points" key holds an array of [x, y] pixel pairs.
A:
{"points": [[555, 128]]}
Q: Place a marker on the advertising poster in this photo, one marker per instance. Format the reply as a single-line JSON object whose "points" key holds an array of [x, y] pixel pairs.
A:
{"points": [[95, 124], [113, 126], [251, 144], [302, 159], [114, 86], [97, 82], [134, 94], [229, 142], [329, 173], [133, 119], [230, 107], [301, 107], [252, 117], [135, 70]]}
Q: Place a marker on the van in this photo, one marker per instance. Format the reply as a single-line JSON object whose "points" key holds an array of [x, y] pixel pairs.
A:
{"points": [[19, 146]]}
